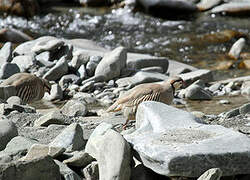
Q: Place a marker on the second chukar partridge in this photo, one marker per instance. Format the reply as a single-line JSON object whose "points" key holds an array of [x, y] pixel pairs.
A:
{"points": [[163, 92], [28, 87]]}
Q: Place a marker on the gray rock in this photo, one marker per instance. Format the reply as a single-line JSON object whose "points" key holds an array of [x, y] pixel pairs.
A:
{"points": [[45, 63], [60, 69], [141, 172], [53, 117], [211, 174], [215, 87], [112, 153], [138, 62], [8, 130], [232, 113], [74, 108], [195, 92], [88, 86], [8, 69], [176, 68], [5, 53], [25, 48], [153, 69], [192, 147], [30, 170], [24, 62], [44, 56], [86, 98], [56, 93], [16, 148], [245, 109], [245, 88], [66, 172], [50, 45], [43, 135], [14, 100], [141, 77], [91, 172], [82, 73], [79, 58], [40, 150], [70, 138], [111, 64], [92, 64], [66, 50], [68, 79], [202, 74], [5, 109], [79, 159]]}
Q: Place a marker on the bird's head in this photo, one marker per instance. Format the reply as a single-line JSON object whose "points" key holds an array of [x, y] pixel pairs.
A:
{"points": [[46, 85], [176, 82]]}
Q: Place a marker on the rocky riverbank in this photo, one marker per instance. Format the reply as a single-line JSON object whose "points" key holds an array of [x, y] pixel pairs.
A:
{"points": [[79, 141]]}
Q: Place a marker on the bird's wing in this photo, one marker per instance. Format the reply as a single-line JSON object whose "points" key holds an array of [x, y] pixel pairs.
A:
{"points": [[140, 93]]}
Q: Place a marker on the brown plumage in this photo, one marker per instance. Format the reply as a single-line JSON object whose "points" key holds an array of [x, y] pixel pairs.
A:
{"points": [[28, 87], [163, 92]]}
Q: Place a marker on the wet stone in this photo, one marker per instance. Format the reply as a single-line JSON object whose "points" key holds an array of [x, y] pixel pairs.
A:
{"points": [[192, 146]]}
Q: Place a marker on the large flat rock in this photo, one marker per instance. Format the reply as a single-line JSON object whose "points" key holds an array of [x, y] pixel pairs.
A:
{"points": [[173, 142]]}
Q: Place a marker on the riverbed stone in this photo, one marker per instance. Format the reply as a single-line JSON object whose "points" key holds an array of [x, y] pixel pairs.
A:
{"points": [[201, 74], [25, 48], [92, 64], [191, 146], [79, 58], [112, 153], [245, 109], [211, 174], [111, 64], [68, 79], [74, 108], [5, 53], [39, 150], [70, 138], [56, 72], [24, 62], [30, 170], [50, 45], [196, 92], [56, 93], [14, 100], [82, 73], [91, 172], [53, 117], [8, 130], [66, 172], [237, 48], [8, 69], [141, 77], [44, 56], [79, 159], [16, 148], [138, 62]]}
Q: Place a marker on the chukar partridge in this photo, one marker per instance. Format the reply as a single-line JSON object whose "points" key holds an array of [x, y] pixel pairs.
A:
{"points": [[163, 92], [28, 87]]}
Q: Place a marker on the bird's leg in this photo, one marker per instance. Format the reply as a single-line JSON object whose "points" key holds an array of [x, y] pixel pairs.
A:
{"points": [[125, 124]]}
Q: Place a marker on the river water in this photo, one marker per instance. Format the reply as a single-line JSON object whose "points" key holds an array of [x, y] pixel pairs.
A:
{"points": [[202, 40]]}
